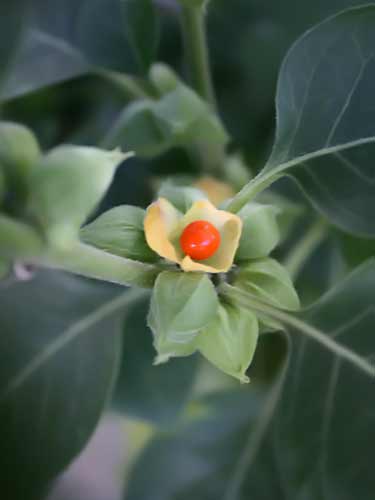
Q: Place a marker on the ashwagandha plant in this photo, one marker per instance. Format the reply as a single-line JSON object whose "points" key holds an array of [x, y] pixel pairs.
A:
{"points": [[198, 258]]}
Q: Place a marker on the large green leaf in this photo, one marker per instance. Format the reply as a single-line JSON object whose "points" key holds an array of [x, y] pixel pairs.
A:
{"points": [[154, 393], [143, 28], [204, 455], [60, 340], [67, 39], [316, 441], [326, 120], [12, 18]]}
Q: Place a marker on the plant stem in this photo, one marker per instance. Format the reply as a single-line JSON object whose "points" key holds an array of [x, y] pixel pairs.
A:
{"points": [[286, 319], [308, 243], [193, 25], [91, 262], [127, 84]]}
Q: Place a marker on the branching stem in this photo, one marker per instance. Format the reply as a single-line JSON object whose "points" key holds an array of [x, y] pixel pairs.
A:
{"points": [[248, 300]]}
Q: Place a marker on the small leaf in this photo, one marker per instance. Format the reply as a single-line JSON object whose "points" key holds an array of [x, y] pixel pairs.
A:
{"points": [[120, 232], [260, 232], [230, 340], [181, 305], [68, 184], [142, 29], [181, 197], [268, 280]]}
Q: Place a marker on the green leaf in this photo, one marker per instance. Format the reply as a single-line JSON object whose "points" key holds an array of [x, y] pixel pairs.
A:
{"points": [[120, 232], [230, 340], [138, 129], [66, 40], [339, 461], [154, 393], [17, 239], [60, 341], [181, 197], [325, 121], [143, 30], [208, 452], [260, 232], [268, 280], [19, 152], [178, 118], [295, 442], [181, 305], [12, 18], [68, 184]]}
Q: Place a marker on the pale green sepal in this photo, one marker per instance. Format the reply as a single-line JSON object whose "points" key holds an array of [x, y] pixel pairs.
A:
{"points": [[230, 340], [270, 281], [181, 197], [181, 305], [120, 232], [67, 186], [260, 232]]}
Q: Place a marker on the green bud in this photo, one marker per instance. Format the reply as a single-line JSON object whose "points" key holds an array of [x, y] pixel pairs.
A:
{"points": [[164, 78], [120, 232], [18, 240], [181, 305], [260, 232], [66, 187], [269, 281], [230, 340], [19, 152], [181, 197]]}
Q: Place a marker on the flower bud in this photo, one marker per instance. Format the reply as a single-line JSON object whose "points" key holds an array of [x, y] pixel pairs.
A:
{"points": [[18, 240]]}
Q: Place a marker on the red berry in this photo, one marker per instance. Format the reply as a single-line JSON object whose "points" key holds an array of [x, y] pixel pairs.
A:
{"points": [[200, 240]]}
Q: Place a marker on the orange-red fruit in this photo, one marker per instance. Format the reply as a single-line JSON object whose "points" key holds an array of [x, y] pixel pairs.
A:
{"points": [[200, 240]]}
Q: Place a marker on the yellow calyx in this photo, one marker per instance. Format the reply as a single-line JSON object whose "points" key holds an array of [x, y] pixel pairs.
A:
{"points": [[164, 225]]}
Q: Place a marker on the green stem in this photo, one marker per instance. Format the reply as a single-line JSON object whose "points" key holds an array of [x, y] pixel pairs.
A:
{"points": [[308, 243], [286, 319], [193, 25], [91, 262], [125, 83]]}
